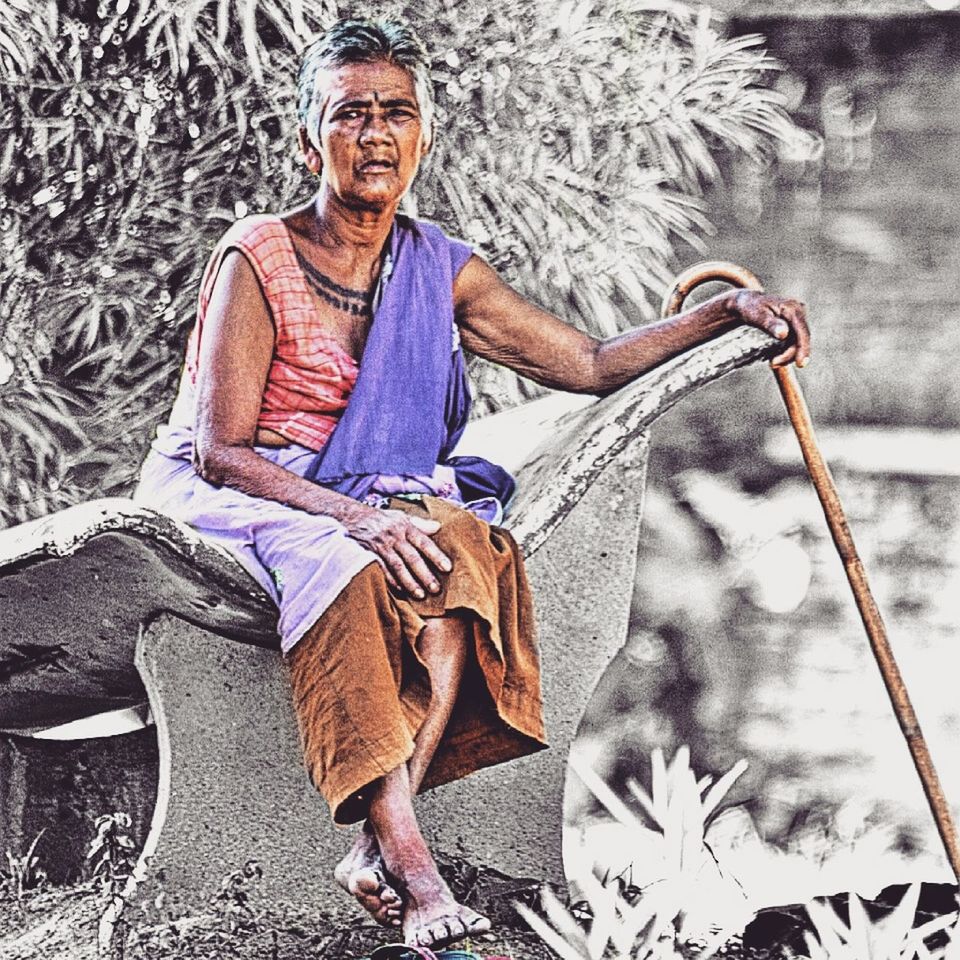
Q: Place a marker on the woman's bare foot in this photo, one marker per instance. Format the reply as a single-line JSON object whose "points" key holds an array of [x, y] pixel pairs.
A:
{"points": [[431, 916], [362, 874]]}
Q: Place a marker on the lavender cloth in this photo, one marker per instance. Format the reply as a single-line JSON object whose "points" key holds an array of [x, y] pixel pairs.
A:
{"points": [[411, 400], [302, 560]]}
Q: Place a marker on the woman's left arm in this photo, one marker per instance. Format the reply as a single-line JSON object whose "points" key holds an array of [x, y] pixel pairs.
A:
{"points": [[500, 325]]}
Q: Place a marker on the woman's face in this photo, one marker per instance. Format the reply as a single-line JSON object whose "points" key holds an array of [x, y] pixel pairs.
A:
{"points": [[371, 133]]}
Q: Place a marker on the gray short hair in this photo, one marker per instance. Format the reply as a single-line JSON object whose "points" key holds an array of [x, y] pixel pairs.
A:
{"points": [[363, 41]]}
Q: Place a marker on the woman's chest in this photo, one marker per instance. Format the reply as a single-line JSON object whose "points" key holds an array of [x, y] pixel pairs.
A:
{"points": [[319, 320], [342, 310]]}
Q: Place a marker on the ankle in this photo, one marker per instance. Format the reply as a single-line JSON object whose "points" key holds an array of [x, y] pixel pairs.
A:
{"points": [[425, 885]]}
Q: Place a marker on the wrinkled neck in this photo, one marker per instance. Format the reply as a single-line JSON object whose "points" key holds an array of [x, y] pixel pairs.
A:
{"points": [[339, 225]]}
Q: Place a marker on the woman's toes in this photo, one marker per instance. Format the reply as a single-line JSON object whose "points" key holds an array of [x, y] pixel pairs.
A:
{"points": [[389, 896], [477, 923], [392, 913], [441, 932], [376, 896], [387, 917], [450, 928]]}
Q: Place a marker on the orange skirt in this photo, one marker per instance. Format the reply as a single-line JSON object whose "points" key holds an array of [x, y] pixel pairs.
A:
{"points": [[360, 689]]}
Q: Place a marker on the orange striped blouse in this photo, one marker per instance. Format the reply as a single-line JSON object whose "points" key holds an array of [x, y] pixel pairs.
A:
{"points": [[311, 376]]}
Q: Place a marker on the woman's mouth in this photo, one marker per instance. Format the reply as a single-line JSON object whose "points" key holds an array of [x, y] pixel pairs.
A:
{"points": [[376, 166]]}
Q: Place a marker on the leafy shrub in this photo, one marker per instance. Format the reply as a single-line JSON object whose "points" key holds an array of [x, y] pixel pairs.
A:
{"points": [[645, 923], [112, 852], [665, 830], [23, 873], [574, 142], [893, 937]]}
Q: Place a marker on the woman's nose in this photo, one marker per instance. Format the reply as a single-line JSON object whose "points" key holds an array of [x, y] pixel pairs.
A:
{"points": [[375, 129]]}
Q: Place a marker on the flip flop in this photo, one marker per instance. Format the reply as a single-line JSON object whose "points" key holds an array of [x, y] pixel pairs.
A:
{"points": [[400, 951]]}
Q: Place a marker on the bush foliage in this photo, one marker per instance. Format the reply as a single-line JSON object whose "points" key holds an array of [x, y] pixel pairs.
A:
{"points": [[574, 141]]}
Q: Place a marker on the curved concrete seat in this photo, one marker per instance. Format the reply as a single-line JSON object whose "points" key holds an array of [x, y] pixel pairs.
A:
{"points": [[107, 604]]}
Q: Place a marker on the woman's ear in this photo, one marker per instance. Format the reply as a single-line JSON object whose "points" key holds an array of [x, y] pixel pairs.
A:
{"points": [[311, 155], [427, 138]]}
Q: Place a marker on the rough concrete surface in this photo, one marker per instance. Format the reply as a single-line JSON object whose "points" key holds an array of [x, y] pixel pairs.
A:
{"points": [[232, 785], [75, 588]]}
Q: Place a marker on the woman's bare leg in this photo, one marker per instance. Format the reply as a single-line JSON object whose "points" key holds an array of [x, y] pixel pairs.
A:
{"points": [[363, 875], [443, 648], [431, 913]]}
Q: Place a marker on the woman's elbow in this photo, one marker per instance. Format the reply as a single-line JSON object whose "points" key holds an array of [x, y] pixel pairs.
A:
{"points": [[589, 376], [211, 462]]}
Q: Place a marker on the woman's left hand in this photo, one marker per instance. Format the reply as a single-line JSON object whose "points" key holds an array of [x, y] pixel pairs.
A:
{"points": [[782, 318]]}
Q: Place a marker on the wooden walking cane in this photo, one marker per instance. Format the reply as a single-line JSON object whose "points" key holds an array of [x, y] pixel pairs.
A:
{"points": [[837, 522]]}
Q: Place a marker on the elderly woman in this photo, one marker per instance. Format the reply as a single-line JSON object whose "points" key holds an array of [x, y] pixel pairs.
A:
{"points": [[323, 393]]}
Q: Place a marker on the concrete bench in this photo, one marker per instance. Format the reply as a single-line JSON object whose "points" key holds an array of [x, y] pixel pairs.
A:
{"points": [[108, 604]]}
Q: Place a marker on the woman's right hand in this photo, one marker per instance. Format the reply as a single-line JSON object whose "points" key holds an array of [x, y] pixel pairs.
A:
{"points": [[403, 546], [783, 318]]}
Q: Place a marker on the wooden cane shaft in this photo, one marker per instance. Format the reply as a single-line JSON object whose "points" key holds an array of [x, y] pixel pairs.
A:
{"points": [[869, 612], [823, 483]]}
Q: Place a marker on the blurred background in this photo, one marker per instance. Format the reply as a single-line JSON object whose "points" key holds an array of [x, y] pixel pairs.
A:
{"points": [[746, 642], [589, 150]]}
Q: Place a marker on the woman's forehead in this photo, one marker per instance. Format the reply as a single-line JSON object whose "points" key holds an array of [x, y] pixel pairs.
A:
{"points": [[375, 81]]}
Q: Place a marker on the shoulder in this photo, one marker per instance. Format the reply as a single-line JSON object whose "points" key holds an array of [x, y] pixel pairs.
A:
{"points": [[424, 230], [254, 232], [430, 236], [264, 241], [253, 250]]}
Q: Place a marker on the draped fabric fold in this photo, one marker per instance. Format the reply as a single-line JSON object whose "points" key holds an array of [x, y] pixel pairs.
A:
{"points": [[411, 401]]}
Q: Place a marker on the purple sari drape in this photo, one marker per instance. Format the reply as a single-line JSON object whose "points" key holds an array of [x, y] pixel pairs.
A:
{"points": [[412, 399]]}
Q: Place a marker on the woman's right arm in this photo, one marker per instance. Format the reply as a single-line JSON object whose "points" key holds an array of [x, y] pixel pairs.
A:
{"points": [[236, 349]]}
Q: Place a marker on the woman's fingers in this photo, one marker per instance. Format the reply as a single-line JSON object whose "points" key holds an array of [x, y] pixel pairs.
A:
{"points": [[406, 582], [417, 531], [801, 331], [421, 523], [415, 575], [430, 550], [409, 556], [782, 359], [790, 324], [784, 319], [389, 577]]}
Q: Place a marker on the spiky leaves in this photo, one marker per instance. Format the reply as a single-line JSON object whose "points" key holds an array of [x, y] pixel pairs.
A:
{"points": [[573, 143]]}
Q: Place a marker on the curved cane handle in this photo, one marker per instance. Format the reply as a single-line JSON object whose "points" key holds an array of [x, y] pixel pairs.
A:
{"points": [[710, 271]]}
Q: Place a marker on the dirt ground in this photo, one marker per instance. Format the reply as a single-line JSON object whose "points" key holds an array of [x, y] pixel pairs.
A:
{"points": [[61, 923]]}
